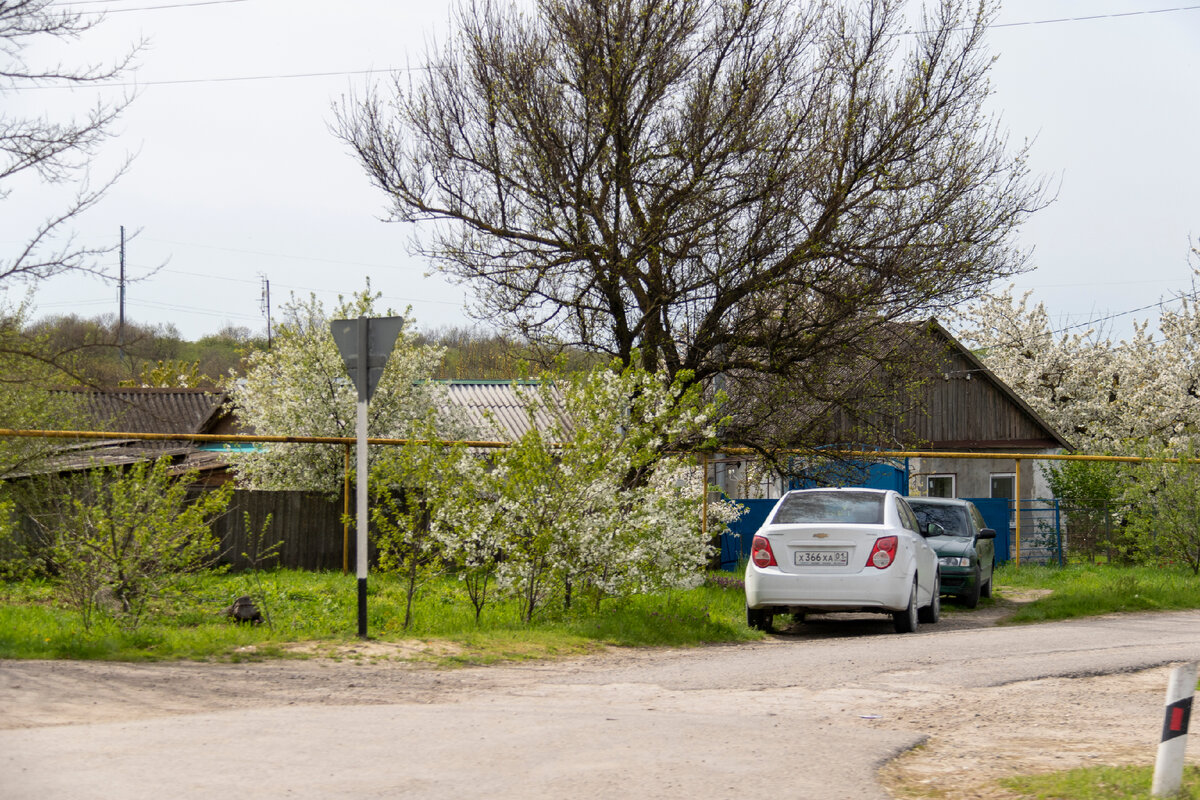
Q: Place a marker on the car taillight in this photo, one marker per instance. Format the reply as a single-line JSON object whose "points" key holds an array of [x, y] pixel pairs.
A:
{"points": [[883, 553], [760, 553]]}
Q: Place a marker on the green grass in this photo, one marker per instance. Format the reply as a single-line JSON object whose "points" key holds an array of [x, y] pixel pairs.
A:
{"points": [[1084, 590], [321, 609], [1099, 783]]}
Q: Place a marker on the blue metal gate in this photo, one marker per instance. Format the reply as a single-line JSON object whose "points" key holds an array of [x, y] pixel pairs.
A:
{"points": [[736, 540], [997, 514]]}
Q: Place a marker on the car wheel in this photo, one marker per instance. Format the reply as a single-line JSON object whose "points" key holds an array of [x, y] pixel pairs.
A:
{"points": [[933, 612], [906, 621], [759, 618], [971, 598], [986, 591]]}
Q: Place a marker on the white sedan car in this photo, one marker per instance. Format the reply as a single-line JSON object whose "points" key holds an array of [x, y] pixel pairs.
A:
{"points": [[824, 550]]}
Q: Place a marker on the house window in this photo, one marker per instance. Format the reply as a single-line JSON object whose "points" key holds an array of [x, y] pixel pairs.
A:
{"points": [[1004, 484], [940, 486]]}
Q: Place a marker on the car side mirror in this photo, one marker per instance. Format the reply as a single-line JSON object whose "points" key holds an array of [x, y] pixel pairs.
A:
{"points": [[986, 533], [933, 529]]}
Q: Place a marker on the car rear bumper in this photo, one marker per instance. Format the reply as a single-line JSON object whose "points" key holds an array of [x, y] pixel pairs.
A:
{"points": [[882, 590]]}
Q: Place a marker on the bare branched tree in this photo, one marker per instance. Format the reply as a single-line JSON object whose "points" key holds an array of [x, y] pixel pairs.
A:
{"points": [[722, 186], [55, 151]]}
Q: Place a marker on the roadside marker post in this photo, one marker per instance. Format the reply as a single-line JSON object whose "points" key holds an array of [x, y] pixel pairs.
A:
{"points": [[365, 345], [1168, 767]]}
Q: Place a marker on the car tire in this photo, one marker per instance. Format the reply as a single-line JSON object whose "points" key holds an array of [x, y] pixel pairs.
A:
{"points": [[906, 621], [933, 612], [760, 619], [971, 598], [986, 591]]}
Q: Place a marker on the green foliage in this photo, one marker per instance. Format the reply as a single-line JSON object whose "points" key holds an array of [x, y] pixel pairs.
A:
{"points": [[1084, 480], [1099, 783], [1090, 493], [223, 353], [27, 372], [319, 608], [488, 355], [408, 487], [1164, 507], [96, 352], [1084, 590], [259, 554], [591, 501], [171, 375], [121, 539]]}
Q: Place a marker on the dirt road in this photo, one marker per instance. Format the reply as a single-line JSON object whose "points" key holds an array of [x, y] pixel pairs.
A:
{"points": [[832, 709]]}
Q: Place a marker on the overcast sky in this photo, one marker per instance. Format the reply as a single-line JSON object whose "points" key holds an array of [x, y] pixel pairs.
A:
{"points": [[237, 179]]}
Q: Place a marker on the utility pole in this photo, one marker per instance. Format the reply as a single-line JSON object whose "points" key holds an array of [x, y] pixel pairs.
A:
{"points": [[121, 299], [265, 305]]}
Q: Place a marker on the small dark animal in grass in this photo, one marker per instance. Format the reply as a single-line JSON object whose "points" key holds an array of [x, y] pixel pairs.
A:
{"points": [[244, 610]]}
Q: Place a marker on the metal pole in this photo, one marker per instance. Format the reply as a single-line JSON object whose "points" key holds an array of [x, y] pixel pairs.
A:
{"points": [[1017, 504], [121, 300], [1058, 532], [1168, 766], [361, 499], [346, 513]]}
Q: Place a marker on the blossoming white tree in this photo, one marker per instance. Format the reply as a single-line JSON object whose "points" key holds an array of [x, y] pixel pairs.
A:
{"points": [[608, 503], [604, 503], [300, 388], [1139, 396], [1105, 396]]}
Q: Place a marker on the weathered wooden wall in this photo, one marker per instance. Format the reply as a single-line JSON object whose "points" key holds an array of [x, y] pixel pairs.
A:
{"points": [[309, 525]]}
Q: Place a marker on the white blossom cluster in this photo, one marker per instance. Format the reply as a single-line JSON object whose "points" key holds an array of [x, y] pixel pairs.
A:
{"points": [[300, 388], [1143, 391], [594, 507]]}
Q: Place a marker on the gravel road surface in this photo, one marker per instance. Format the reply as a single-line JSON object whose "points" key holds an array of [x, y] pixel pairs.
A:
{"points": [[828, 710]]}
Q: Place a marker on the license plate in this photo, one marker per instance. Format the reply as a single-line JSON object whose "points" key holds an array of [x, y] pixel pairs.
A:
{"points": [[822, 558]]}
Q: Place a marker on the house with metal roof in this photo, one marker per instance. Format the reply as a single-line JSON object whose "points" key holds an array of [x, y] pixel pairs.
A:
{"points": [[146, 410], [504, 411], [947, 401]]}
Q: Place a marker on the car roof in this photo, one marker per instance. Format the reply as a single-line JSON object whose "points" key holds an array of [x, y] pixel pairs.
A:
{"points": [[844, 489], [939, 501]]}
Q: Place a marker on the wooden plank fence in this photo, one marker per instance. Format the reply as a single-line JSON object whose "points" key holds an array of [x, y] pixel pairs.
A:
{"points": [[308, 524]]}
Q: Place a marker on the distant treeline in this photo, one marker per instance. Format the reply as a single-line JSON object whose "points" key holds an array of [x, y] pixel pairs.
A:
{"points": [[97, 351]]}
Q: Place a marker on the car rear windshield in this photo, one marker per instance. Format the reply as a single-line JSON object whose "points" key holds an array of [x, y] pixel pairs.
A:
{"points": [[952, 518], [855, 508]]}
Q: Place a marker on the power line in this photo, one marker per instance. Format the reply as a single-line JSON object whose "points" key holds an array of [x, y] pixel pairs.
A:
{"points": [[1119, 314], [144, 8], [1091, 17], [393, 70], [338, 261], [1012, 342]]}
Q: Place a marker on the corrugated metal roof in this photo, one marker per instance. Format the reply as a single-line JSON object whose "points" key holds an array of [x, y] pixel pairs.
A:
{"points": [[101, 455], [500, 409], [151, 410]]}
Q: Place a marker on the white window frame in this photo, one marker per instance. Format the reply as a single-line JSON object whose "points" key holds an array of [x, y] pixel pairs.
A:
{"points": [[992, 486], [953, 483]]}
